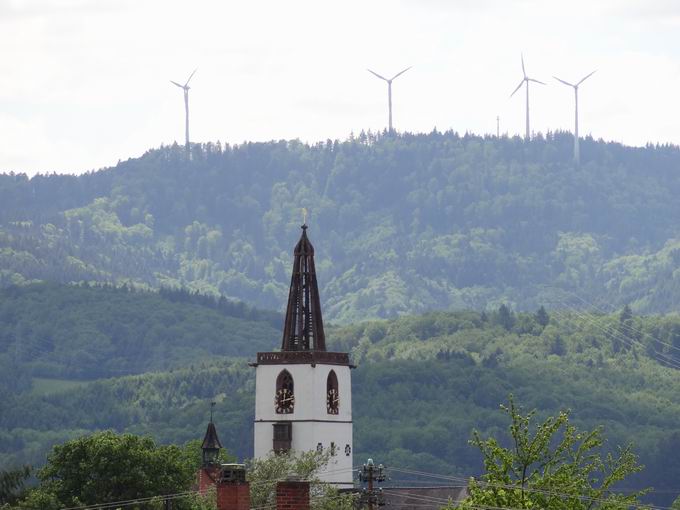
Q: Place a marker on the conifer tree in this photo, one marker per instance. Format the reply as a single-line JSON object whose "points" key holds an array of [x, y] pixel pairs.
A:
{"points": [[505, 317], [542, 317]]}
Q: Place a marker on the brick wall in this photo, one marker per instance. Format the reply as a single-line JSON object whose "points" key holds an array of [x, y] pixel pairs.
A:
{"points": [[292, 495], [233, 496], [207, 477]]}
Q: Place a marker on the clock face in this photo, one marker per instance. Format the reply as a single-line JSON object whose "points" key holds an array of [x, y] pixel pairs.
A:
{"points": [[284, 401], [333, 401]]}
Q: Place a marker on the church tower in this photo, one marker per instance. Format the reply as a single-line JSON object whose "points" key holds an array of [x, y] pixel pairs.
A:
{"points": [[303, 396]]}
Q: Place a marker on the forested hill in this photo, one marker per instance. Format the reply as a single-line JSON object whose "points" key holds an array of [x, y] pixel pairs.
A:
{"points": [[85, 333], [422, 385], [401, 224]]}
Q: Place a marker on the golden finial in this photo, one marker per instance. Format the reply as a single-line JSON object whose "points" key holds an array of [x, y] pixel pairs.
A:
{"points": [[304, 215]]}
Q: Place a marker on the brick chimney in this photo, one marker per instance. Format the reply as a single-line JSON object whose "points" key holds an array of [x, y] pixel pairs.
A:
{"points": [[233, 492], [208, 476], [292, 495]]}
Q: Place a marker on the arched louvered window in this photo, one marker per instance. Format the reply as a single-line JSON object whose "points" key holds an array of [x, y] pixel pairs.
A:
{"points": [[332, 394], [284, 401]]}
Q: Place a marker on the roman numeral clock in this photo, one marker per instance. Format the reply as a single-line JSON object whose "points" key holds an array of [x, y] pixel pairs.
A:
{"points": [[303, 395]]}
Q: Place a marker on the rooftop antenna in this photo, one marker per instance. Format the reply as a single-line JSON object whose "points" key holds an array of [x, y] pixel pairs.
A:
{"points": [[186, 88], [525, 80], [389, 90], [577, 154], [498, 126]]}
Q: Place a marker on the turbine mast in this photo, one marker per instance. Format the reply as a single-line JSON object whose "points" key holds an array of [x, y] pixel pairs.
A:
{"points": [[185, 89], [525, 81], [186, 120], [389, 103], [389, 93], [577, 151], [527, 136]]}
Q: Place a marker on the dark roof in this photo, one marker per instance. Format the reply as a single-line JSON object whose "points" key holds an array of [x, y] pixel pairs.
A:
{"points": [[211, 441], [303, 327]]}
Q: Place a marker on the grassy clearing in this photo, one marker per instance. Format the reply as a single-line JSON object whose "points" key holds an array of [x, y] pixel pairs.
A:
{"points": [[44, 386]]}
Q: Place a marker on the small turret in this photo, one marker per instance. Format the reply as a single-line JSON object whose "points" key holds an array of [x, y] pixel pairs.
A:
{"points": [[211, 443]]}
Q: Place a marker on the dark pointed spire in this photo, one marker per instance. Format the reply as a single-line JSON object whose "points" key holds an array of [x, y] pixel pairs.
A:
{"points": [[211, 443], [303, 327]]}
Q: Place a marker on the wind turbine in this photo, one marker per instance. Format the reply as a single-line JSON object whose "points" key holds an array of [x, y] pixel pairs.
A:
{"points": [[186, 88], [526, 81], [389, 89], [577, 154]]}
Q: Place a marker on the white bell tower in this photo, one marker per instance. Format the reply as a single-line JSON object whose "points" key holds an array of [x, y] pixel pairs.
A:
{"points": [[303, 395]]}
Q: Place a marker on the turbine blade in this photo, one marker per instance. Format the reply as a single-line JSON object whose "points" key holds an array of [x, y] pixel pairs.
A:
{"points": [[518, 87], [400, 73], [523, 70], [381, 77], [537, 81], [565, 82], [174, 82], [190, 76], [584, 79]]}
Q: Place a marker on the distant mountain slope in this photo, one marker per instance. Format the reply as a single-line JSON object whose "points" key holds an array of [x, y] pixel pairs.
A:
{"points": [[402, 224], [423, 384], [83, 332]]}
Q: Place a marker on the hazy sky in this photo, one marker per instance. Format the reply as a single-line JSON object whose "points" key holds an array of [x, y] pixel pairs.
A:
{"points": [[85, 83]]}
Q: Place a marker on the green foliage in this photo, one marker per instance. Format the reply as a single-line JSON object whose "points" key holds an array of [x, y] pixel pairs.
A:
{"points": [[12, 484], [47, 386], [173, 406], [626, 315], [422, 385], [402, 224], [263, 474], [83, 332], [190, 501], [505, 317], [194, 458], [542, 317], [549, 465], [107, 467]]}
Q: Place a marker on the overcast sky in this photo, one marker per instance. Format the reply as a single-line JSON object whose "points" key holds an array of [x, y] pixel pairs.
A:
{"points": [[86, 83]]}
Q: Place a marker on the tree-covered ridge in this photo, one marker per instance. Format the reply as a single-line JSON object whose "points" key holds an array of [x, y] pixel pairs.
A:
{"points": [[422, 385], [401, 223], [85, 332], [172, 406]]}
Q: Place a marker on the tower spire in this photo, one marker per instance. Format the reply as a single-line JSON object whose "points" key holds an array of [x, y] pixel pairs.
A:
{"points": [[303, 327]]}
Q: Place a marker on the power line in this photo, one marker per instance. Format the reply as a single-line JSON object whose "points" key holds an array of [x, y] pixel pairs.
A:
{"points": [[509, 486], [612, 332], [184, 494], [130, 502], [627, 326]]}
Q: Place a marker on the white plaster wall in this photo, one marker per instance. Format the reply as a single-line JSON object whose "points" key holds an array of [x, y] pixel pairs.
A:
{"points": [[310, 392], [311, 422], [306, 436]]}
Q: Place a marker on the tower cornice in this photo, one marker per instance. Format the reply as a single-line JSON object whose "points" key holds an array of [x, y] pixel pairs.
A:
{"points": [[303, 357]]}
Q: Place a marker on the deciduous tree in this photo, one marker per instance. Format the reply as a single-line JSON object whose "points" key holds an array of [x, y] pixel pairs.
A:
{"points": [[550, 465]]}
